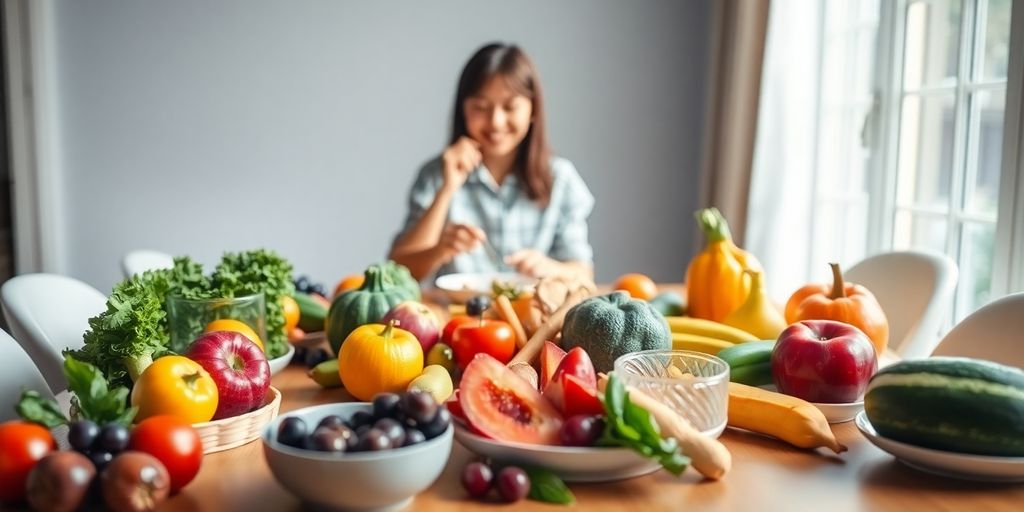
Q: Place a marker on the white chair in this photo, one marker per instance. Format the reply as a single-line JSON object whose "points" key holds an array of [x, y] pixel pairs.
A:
{"points": [[18, 373], [137, 262], [48, 313], [992, 332], [915, 290]]}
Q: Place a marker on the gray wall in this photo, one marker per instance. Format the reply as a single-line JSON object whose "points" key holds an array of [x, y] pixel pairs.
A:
{"points": [[196, 127]]}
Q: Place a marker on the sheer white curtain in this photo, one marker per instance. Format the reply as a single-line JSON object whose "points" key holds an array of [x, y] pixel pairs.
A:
{"points": [[808, 192]]}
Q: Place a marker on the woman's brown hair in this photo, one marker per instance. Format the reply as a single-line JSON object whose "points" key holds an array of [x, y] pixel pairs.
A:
{"points": [[533, 158]]}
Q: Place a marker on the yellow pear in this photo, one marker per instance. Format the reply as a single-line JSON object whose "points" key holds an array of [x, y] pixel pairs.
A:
{"points": [[757, 315]]}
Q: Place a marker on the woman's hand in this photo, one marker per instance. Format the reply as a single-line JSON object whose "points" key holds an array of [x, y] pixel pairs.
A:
{"points": [[458, 238], [458, 160]]}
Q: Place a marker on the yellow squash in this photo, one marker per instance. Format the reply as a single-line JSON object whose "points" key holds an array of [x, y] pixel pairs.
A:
{"points": [[715, 282], [757, 315], [788, 418], [376, 358]]}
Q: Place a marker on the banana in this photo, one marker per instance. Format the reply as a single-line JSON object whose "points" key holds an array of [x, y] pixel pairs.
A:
{"points": [[708, 329], [681, 341], [788, 418], [749, 363], [326, 374]]}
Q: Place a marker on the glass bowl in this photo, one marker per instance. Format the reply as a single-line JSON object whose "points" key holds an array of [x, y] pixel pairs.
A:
{"points": [[187, 318], [693, 384]]}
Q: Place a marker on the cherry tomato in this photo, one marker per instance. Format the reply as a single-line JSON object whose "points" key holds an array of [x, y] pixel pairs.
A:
{"points": [[22, 444], [174, 442], [493, 337], [454, 323], [178, 386]]}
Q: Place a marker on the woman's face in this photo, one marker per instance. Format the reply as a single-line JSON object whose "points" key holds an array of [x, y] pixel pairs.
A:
{"points": [[498, 117]]}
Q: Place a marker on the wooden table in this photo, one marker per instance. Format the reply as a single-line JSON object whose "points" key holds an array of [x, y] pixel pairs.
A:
{"points": [[767, 475]]}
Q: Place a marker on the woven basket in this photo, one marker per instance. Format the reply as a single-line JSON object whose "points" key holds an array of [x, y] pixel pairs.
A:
{"points": [[227, 433]]}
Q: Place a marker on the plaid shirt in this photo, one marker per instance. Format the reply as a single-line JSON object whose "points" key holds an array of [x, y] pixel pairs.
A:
{"points": [[511, 220]]}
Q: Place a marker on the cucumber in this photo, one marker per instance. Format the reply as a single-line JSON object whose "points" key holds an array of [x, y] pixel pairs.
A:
{"points": [[312, 312], [950, 403], [749, 363]]}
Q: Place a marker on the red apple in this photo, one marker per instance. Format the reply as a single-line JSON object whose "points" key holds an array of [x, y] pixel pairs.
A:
{"points": [[237, 366], [418, 319], [823, 361]]}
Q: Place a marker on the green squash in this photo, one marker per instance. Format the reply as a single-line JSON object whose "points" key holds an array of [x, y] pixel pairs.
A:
{"points": [[669, 304], [609, 326], [366, 305], [401, 277]]}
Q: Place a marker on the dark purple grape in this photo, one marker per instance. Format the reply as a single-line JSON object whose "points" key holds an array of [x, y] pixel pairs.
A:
{"points": [[417, 408], [385, 405], [438, 425], [374, 440], [361, 430], [292, 431], [315, 356], [318, 288], [477, 305], [393, 429], [302, 284], [581, 430], [331, 421], [477, 479], [82, 434], [513, 484], [113, 438], [360, 418], [326, 439], [100, 459], [413, 436]]}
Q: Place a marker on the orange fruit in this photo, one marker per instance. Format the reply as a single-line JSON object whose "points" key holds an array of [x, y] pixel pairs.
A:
{"points": [[638, 286], [350, 282], [291, 312], [228, 324]]}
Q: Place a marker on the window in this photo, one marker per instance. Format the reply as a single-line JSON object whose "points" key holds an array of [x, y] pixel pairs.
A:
{"points": [[938, 175]]}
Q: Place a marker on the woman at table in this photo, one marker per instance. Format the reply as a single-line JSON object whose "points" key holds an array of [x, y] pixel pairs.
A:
{"points": [[496, 199]]}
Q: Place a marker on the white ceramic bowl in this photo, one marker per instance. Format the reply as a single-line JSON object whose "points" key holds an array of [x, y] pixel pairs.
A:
{"points": [[701, 395], [384, 480], [840, 413], [281, 362], [964, 466], [461, 287], [572, 464]]}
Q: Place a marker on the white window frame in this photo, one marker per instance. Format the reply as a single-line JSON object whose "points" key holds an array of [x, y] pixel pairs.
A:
{"points": [[1008, 265]]}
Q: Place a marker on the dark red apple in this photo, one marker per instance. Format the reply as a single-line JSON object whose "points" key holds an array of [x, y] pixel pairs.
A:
{"points": [[237, 366], [823, 361], [418, 319]]}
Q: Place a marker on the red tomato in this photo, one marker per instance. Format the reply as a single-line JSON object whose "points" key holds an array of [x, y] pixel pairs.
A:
{"points": [[580, 397], [454, 323], [22, 444], [173, 442], [492, 337]]}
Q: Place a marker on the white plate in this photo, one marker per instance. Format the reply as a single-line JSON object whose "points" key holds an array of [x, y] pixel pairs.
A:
{"points": [[281, 362], [461, 286], [952, 464], [840, 413], [571, 464]]}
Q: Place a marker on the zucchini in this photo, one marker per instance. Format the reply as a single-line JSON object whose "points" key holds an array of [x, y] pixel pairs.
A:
{"points": [[950, 403]]}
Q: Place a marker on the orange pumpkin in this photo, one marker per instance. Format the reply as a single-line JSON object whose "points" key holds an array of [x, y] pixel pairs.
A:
{"points": [[715, 282], [844, 302], [378, 358]]}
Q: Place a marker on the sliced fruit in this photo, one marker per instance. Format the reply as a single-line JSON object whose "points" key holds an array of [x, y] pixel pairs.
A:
{"points": [[550, 355], [580, 397], [503, 406], [576, 363]]}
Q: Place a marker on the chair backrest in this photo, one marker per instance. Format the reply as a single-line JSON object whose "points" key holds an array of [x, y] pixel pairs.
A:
{"points": [[19, 373], [137, 262], [992, 332], [915, 289], [48, 313]]}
